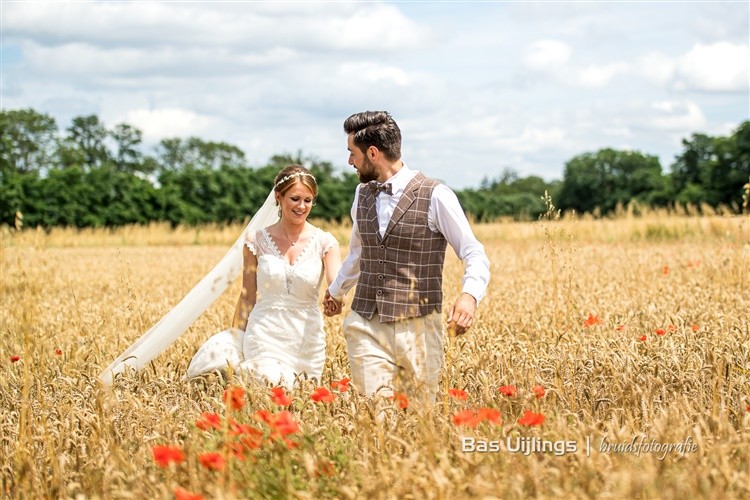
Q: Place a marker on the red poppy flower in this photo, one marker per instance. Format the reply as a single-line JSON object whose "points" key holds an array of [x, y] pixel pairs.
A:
{"points": [[530, 419], [490, 414], [672, 328], [508, 390], [236, 449], [264, 416], [472, 418], [289, 443], [642, 338], [341, 385], [235, 398], [695, 328], [661, 331], [15, 358], [325, 468], [182, 494], [620, 328], [592, 320], [252, 440], [538, 391], [665, 270], [322, 395], [748, 408], [166, 454], [249, 436], [212, 460], [401, 400], [283, 423], [236, 429], [279, 397], [58, 352], [466, 417], [459, 394], [208, 421]]}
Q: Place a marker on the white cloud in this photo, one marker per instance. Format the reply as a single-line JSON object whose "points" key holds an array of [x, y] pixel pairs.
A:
{"points": [[656, 67], [546, 55], [374, 73], [720, 66], [600, 76], [534, 139], [96, 62], [677, 115], [476, 87], [157, 124], [247, 26], [615, 131]]}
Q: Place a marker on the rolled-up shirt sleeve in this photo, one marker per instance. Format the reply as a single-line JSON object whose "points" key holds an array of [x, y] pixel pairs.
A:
{"points": [[447, 217], [349, 272]]}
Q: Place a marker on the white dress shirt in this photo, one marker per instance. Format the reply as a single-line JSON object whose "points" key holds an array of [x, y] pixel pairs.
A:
{"points": [[444, 216]]}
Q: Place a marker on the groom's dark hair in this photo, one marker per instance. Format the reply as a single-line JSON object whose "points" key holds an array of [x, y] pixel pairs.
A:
{"points": [[375, 128]]}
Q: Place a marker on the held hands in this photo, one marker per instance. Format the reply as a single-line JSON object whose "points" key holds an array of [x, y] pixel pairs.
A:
{"points": [[461, 315], [331, 306]]}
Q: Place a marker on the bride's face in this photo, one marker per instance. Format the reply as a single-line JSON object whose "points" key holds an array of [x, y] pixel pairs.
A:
{"points": [[296, 203]]}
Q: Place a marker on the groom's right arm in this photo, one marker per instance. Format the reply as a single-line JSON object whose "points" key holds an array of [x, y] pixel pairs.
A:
{"points": [[345, 279], [348, 273]]}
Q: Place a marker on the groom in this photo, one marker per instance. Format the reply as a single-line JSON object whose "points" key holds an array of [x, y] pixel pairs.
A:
{"points": [[402, 222]]}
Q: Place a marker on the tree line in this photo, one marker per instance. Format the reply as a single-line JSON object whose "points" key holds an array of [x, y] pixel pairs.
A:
{"points": [[88, 175]]}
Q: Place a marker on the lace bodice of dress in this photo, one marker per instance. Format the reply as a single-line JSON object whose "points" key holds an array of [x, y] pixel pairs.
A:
{"points": [[282, 285]]}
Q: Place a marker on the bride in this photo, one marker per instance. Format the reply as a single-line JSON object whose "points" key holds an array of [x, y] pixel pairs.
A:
{"points": [[277, 331]]}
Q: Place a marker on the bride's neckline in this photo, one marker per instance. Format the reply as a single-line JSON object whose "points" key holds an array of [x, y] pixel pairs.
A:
{"points": [[282, 256], [289, 240]]}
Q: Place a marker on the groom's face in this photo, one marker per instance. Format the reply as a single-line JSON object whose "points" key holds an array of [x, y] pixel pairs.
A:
{"points": [[366, 169]]}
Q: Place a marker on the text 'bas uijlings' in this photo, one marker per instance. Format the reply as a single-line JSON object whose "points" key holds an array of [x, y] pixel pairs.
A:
{"points": [[523, 445]]}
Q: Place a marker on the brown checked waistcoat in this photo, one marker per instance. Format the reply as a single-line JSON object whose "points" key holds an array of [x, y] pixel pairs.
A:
{"points": [[401, 273]]}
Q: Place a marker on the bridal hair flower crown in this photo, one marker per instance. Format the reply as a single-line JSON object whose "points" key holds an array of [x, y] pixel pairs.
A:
{"points": [[295, 174]]}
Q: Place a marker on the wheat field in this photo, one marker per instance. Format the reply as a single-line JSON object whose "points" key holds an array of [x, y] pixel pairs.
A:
{"points": [[610, 359]]}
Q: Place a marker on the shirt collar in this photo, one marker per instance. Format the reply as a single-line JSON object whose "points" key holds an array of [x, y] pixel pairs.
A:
{"points": [[401, 178]]}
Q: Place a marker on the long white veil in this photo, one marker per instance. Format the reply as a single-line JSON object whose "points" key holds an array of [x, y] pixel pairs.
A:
{"points": [[175, 322]]}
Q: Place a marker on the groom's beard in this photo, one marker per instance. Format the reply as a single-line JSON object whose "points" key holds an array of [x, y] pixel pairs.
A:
{"points": [[367, 171]]}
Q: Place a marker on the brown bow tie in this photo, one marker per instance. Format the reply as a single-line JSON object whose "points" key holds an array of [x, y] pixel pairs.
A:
{"points": [[378, 188]]}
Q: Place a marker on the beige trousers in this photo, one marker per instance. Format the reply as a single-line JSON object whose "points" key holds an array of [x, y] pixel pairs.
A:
{"points": [[404, 355]]}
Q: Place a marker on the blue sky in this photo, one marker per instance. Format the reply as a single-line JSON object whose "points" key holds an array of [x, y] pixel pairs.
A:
{"points": [[476, 87]]}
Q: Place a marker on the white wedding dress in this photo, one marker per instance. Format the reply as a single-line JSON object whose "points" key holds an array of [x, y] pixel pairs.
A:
{"points": [[284, 336]]}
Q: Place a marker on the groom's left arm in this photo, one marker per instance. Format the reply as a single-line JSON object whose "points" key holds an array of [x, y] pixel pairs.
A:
{"points": [[450, 220]]}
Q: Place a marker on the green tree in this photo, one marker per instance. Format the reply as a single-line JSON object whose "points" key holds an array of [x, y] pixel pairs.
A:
{"points": [[690, 172], [712, 170], [127, 156], [27, 141], [86, 142], [123, 198], [508, 195], [170, 155], [14, 189], [731, 169], [607, 178], [178, 154], [61, 199]]}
